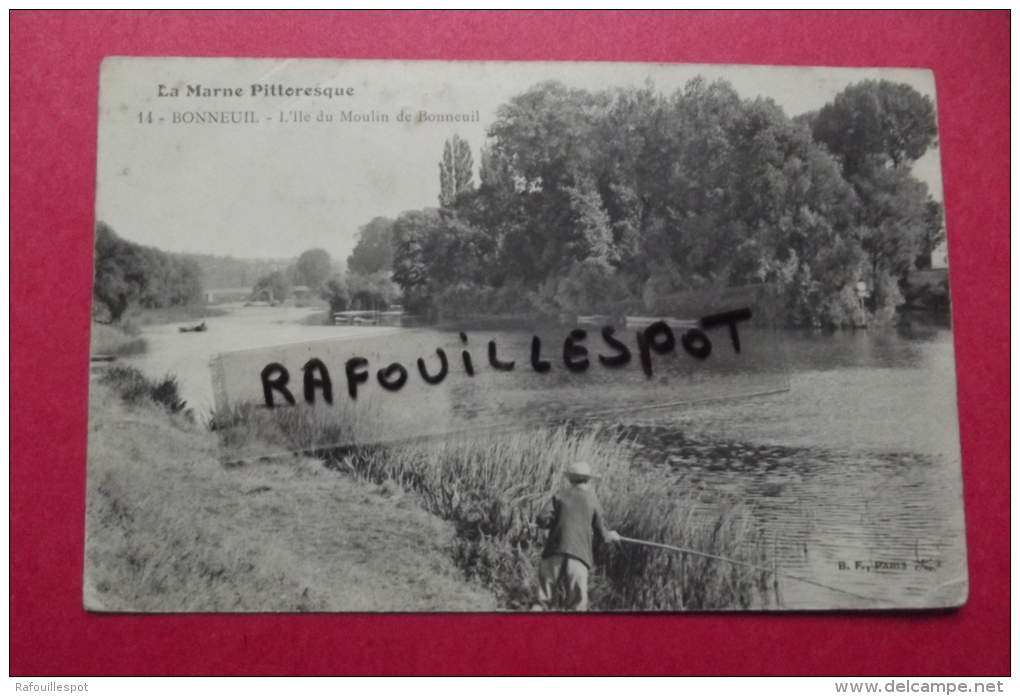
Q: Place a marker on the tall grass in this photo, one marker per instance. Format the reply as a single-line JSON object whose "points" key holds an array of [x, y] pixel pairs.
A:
{"points": [[491, 485], [134, 387], [248, 428], [667, 580]]}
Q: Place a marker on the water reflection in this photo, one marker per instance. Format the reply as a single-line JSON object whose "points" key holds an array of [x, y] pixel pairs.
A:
{"points": [[855, 471]]}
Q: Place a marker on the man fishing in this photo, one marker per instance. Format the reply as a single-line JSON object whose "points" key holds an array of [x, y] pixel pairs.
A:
{"points": [[571, 515]]}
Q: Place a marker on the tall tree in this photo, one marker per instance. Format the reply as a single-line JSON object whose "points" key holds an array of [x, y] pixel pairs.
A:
{"points": [[877, 129], [374, 250], [119, 278], [315, 266], [414, 257], [272, 287], [493, 171], [456, 170], [934, 233], [877, 120], [336, 294], [374, 291], [894, 217], [127, 275], [593, 235]]}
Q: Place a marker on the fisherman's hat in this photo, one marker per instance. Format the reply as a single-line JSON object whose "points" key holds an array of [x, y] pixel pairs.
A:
{"points": [[579, 470]]}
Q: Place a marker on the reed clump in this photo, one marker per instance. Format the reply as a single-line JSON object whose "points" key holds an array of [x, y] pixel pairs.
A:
{"points": [[651, 578], [134, 388], [251, 429], [493, 484]]}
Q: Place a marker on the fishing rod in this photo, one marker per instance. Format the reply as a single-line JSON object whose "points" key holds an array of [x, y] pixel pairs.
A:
{"points": [[743, 563]]}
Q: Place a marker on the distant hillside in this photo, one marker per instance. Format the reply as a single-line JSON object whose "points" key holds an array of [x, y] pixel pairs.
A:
{"points": [[228, 272]]}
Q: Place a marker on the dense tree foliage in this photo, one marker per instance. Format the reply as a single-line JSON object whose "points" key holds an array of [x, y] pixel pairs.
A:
{"points": [[291, 273], [230, 272], [315, 267], [622, 198], [877, 130], [273, 288], [374, 291], [357, 291], [128, 275], [335, 293], [874, 123], [374, 250]]}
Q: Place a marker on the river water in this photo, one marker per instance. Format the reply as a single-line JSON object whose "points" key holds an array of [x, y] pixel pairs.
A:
{"points": [[845, 444]]}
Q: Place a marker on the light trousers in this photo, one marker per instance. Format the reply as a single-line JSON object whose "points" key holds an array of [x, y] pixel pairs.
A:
{"points": [[564, 576]]}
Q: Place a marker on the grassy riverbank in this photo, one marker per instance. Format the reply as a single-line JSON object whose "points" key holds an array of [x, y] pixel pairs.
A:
{"points": [[492, 484], [170, 528], [181, 517]]}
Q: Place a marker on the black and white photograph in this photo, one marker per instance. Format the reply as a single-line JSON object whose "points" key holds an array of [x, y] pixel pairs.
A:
{"points": [[423, 336]]}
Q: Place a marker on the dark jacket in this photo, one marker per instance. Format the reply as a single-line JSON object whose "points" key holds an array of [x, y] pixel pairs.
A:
{"points": [[571, 516]]}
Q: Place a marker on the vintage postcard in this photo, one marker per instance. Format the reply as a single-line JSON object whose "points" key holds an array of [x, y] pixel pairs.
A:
{"points": [[477, 336]]}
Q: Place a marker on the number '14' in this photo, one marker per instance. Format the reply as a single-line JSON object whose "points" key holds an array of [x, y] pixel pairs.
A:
{"points": [[145, 117]]}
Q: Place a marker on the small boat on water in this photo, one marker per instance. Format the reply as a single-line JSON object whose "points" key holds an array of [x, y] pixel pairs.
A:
{"points": [[197, 328], [635, 322]]}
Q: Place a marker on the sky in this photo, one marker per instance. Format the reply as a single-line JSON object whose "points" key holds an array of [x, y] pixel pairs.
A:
{"points": [[273, 189]]}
